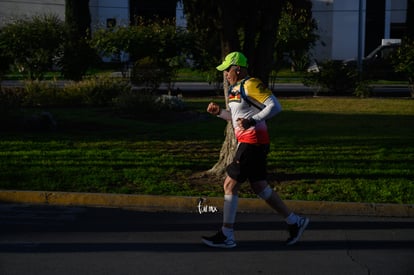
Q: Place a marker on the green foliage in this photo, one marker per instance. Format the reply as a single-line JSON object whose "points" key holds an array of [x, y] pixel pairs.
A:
{"points": [[43, 43], [363, 88], [148, 74], [5, 58], [404, 61], [10, 99], [95, 91], [277, 27], [296, 34], [230, 27], [75, 58], [39, 93], [156, 44], [98, 91], [33, 43], [333, 77], [136, 102]]}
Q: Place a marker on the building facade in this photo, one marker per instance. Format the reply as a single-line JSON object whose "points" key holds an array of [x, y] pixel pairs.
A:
{"points": [[13, 9], [346, 27]]}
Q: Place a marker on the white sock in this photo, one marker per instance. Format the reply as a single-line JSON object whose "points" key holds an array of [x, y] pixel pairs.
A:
{"points": [[230, 208], [292, 218], [228, 232]]}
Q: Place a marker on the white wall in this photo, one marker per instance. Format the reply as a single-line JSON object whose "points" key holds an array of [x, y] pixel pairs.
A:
{"points": [[338, 26], [345, 29], [179, 16], [101, 10], [322, 13], [398, 11], [20, 9]]}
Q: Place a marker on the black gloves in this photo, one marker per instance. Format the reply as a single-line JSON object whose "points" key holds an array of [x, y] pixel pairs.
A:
{"points": [[247, 123]]}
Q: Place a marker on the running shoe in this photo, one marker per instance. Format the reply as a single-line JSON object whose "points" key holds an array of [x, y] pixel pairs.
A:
{"points": [[219, 240], [296, 230]]}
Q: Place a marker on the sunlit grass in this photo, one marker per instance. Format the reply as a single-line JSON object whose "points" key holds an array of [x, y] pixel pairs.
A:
{"points": [[340, 149]]}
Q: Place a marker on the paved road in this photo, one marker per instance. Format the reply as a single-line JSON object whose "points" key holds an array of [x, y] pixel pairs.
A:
{"points": [[79, 240], [280, 89]]}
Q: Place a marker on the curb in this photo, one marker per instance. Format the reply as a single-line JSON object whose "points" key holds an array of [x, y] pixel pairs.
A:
{"points": [[152, 203]]}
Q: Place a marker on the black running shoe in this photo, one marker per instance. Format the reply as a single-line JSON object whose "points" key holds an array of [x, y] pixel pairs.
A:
{"points": [[296, 230], [219, 240]]}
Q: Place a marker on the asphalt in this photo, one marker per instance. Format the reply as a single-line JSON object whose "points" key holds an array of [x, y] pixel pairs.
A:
{"points": [[78, 233], [200, 89]]}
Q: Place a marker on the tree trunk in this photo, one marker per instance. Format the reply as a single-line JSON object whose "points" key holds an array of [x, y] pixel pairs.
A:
{"points": [[227, 152], [228, 149]]}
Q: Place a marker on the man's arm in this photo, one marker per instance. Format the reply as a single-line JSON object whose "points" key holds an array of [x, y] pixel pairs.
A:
{"points": [[214, 109], [272, 108]]}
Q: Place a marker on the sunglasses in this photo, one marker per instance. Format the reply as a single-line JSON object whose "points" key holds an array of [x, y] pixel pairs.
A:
{"points": [[229, 68]]}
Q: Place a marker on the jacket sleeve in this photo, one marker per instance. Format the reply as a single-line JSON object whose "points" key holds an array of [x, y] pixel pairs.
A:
{"points": [[272, 108], [224, 114]]}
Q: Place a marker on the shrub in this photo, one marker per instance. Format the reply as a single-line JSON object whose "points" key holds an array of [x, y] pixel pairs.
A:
{"points": [[91, 92], [146, 73], [138, 102], [98, 91], [49, 93], [157, 49], [404, 62], [33, 43], [76, 58], [41, 93], [333, 77], [11, 98], [363, 89], [5, 59]]}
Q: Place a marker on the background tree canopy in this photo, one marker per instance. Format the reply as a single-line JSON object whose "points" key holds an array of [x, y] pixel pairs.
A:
{"points": [[33, 43], [224, 26]]}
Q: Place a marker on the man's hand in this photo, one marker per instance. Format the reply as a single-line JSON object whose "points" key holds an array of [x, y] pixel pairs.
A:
{"points": [[213, 108], [245, 123]]}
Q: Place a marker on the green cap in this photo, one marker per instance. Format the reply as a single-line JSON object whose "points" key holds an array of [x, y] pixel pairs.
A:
{"points": [[234, 58]]}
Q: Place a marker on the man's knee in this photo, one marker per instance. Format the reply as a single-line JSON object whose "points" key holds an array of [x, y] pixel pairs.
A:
{"points": [[230, 186], [265, 193]]}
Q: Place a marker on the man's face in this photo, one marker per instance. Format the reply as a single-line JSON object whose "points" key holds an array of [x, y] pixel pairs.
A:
{"points": [[232, 74]]}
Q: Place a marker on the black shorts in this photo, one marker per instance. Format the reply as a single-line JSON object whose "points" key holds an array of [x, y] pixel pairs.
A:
{"points": [[249, 163]]}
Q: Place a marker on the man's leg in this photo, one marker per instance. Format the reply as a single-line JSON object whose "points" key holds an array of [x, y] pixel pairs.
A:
{"points": [[263, 190], [225, 237], [231, 198], [295, 223]]}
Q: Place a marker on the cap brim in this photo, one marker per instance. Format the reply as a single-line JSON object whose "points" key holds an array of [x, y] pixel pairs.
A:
{"points": [[222, 66]]}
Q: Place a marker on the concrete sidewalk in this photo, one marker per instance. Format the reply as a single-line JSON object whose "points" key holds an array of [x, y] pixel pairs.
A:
{"points": [[196, 204]]}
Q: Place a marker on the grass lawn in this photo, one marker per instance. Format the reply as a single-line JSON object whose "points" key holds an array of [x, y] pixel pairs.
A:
{"points": [[336, 149]]}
